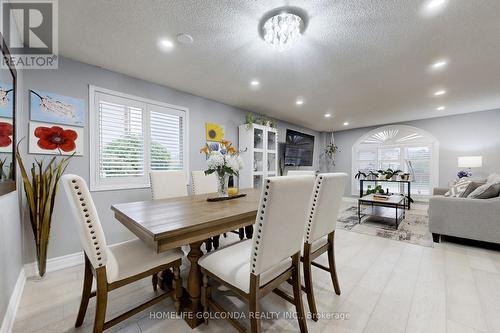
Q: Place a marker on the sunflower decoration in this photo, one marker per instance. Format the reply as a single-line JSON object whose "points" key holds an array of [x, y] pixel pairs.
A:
{"points": [[214, 132]]}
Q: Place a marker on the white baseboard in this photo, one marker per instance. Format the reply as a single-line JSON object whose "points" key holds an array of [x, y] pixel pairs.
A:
{"points": [[15, 299], [55, 264]]}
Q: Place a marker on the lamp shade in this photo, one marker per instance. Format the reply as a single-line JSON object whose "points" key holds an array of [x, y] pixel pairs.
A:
{"points": [[470, 161]]}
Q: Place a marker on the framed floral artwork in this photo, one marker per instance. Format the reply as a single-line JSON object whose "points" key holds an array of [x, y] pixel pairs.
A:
{"points": [[58, 109], [6, 133], [214, 132], [45, 138], [6, 95]]}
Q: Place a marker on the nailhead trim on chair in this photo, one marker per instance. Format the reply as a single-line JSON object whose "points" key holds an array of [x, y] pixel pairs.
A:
{"points": [[259, 226], [81, 198], [317, 191]]}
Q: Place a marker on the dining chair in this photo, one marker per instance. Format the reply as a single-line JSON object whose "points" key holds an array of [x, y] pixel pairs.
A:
{"points": [[114, 266], [320, 230], [203, 184], [254, 268], [301, 173], [168, 184]]}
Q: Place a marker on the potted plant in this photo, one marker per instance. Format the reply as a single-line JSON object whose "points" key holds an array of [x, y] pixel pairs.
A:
{"points": [[378, 189], [372, 175], [405, 176], [360, 175]]}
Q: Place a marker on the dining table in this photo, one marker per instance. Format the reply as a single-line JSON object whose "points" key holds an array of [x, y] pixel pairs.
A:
{"points": [[190, 220]]}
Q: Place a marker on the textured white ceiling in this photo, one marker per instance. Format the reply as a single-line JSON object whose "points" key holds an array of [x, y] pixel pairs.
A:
{"points": [[364, 61]]}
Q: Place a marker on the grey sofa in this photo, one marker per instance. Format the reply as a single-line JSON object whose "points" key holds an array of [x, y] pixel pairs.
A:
{"points": [[477, 219]]}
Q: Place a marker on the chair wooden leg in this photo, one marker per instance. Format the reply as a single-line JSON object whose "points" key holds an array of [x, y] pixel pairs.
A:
{"points": [[101, 300], [254, 306], [297, 294], [208, 245], [331, 262], [205, 297], [87, 288], [154, 281], [215, 242], [309, 282], [177, 289], [241, 233]]}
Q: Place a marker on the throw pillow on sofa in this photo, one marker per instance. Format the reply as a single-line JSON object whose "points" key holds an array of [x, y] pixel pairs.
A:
{"points": [[459, 188], [493, 178], [473, 185], [486, 191]]}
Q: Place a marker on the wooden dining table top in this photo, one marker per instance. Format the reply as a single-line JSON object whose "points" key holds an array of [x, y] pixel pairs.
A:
{"points": [[155, 220]]}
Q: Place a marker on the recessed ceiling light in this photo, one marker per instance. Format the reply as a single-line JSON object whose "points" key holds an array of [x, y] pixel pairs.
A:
{"points": [[165, 44], [440, 93], [328, 115], [346, 123], [441, 108], [254, 83], [439, 64], [185, 38], [432, 7], [299, 101]]}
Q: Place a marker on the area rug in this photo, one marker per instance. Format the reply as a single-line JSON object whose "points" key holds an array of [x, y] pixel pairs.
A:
{"points": [[413, 229]]}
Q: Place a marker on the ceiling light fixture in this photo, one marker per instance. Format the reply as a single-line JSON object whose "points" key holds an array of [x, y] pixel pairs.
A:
{"points": [[435, 4], [328, 115], [165, 44], [299, 101], [441, 108], [439, 64], [440, 93], [254, 83], [184, 38], [346, 123], [282, 30]]}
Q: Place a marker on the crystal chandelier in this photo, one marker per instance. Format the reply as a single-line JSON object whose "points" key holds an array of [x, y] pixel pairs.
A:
{"points": [[282, 30]]}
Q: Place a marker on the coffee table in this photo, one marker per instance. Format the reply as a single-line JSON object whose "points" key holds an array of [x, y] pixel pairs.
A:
{"points": [[393, 208]]}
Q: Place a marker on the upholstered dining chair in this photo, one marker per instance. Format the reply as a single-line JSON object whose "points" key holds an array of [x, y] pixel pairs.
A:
{"points": [[301, 173], [253, 268], [320, 230], [202, 183], [168, 184], [116, 265]]}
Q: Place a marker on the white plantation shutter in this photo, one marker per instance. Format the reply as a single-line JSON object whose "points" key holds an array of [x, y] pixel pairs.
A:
{"points": [[167, 139], [132, 136]]}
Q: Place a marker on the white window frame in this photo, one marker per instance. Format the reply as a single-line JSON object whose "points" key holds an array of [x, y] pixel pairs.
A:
{"points": [[142, 182], [429, 141]]}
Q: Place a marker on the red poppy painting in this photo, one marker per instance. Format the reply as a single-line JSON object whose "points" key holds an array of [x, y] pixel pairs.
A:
{"points": [[6, 132], [55, 139]]}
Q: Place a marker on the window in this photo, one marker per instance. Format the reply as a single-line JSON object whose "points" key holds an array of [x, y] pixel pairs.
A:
{"points": [[398, 147], [131, 136]]}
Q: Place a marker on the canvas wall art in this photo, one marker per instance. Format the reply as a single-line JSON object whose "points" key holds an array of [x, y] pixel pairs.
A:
{"points": [[214, 132], [6, 97], [45, 138], [58, 109], [6, 133]]}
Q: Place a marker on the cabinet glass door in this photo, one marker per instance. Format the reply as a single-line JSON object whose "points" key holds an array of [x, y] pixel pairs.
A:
{"points": [[271, 141], [258, 138]]}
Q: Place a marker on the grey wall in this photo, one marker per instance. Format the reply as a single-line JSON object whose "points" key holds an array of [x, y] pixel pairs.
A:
{"points": [[72, 79], [475, 133], [11, 238]]}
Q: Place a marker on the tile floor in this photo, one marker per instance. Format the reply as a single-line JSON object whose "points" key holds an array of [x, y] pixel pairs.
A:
{"points": [[387, 286]]}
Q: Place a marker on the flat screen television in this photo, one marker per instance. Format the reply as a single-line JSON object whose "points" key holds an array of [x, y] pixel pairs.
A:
{"points": [[299, 149]]}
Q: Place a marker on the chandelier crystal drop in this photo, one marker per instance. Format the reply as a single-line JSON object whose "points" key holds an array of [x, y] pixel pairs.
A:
{"points": [[282, 30]]}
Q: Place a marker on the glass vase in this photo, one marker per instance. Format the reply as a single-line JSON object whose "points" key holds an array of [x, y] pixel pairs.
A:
{"points": [[222, 185]]}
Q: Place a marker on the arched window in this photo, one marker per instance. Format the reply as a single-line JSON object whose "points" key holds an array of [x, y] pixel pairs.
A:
{"points": [[407, 148]]}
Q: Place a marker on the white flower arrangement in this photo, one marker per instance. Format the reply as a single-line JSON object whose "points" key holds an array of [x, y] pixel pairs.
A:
{"points": [[226, 161]]}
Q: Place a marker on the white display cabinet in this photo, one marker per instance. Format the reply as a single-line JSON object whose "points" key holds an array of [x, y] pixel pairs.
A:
{"points": [[258, 145]]}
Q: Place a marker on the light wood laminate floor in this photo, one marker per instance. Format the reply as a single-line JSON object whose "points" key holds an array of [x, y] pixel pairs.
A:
{"points": [[387, 286]]}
